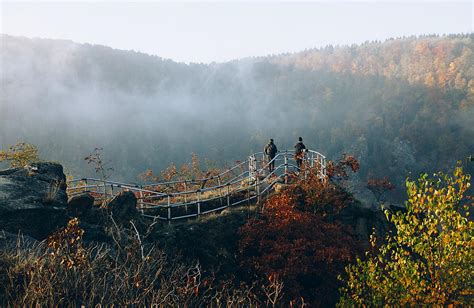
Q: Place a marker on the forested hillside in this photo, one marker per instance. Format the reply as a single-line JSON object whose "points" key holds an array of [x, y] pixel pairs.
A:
{"points": [[399, 106]]}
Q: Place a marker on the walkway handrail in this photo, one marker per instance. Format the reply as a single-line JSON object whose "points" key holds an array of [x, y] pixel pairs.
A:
{"points": [[255, 181], [198, 180]]}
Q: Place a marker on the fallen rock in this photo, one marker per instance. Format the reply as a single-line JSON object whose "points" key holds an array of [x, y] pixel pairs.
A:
{"points": [[33, 199], [80, 205], [123, 206]]}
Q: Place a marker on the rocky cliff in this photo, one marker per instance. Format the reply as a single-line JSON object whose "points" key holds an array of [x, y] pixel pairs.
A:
{"points": [[33, 199], [34, 202]]}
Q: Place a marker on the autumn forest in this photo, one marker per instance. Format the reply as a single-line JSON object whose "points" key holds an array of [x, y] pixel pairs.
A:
{"points": [[391, 224]]}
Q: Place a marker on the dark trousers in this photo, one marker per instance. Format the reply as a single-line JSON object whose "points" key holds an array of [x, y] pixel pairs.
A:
{"points": [[271, 166], [299, 163], [299, 160]]}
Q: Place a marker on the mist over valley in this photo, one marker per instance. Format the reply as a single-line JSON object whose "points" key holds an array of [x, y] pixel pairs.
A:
{"points": [[127, 140], [400, 106]]}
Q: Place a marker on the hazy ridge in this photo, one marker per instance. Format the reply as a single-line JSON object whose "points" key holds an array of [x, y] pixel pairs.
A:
{"points": [[400, 106]]}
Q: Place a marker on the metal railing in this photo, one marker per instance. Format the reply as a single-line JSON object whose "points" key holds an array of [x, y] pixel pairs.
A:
{"points": [[227, 188]]}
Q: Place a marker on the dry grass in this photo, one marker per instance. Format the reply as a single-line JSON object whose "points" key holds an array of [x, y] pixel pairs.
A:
{"points": [[62, 271], [52, 192]]}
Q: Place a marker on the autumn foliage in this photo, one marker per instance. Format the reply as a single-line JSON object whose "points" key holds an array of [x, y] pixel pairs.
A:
{"points": [[429, 260], [324, 197], [340, 169], [293, 240], [66, 245], [189, 176], [130, 272], [19, 155]]}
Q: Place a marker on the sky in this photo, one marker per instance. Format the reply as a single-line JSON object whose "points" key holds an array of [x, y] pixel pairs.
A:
{"points": [[205, 32]]}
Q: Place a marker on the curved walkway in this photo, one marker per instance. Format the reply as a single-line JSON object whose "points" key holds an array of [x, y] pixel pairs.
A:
{"points": [[247, 181]]}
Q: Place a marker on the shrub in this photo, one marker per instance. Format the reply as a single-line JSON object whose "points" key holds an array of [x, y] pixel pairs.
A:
{"points": [[20, 154], [430, 258], [292, 240]]}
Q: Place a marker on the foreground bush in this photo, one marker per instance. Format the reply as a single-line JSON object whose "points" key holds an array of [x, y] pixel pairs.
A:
{"points": [[294, 241], [64, 272], [430, 259]]}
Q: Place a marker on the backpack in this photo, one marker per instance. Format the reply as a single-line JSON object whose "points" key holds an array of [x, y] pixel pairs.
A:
{"points": [[270, 149], [299, 147]]}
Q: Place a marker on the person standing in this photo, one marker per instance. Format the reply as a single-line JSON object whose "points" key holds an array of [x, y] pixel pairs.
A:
{"points": [[270, 151], [299, 153]]}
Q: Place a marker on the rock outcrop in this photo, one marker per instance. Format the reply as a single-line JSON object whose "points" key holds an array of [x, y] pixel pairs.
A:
{"points": [[34, 202], [364, 221], [33, 199]]}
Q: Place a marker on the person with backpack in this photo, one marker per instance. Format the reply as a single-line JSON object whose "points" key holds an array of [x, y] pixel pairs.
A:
{"points": [[300, 149], [270, 151]]}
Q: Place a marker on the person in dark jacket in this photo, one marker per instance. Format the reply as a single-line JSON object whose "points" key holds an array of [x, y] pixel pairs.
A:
{"points": [[300, 149], [270, 151]]}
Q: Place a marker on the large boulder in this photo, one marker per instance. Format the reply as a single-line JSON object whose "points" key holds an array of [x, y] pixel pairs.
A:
{"points": [[123, 206], [93, 219], [33, 199], [80, 205]]}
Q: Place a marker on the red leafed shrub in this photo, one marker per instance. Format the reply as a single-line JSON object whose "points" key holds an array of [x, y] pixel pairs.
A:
{"points": [[300, 246], [323, 197], [338, 170]]}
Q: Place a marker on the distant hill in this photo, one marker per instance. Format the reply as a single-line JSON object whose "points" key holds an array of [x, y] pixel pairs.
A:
{"points": [[403, 105]]}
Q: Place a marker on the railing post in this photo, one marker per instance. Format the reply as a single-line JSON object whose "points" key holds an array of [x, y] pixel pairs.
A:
{"points": [[185, 196], [255, 165], [228, 194], [141, 198], [85, 186], [169, 207], [323, 167], [257, 188], [220, 188], [105, 189], [286, 167], [248, 198], [252, 166], [320, 165], [198, 193], [305, 166]]}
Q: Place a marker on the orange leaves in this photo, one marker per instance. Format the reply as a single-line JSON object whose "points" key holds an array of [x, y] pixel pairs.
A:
{"points": [[169, 173], [339, 170], [148, 176], [295, 243], [189, 176], [67, 245]]}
